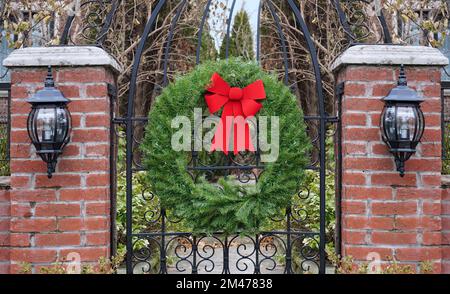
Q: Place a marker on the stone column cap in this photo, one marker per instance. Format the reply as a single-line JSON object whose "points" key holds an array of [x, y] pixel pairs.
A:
{"points": [[5, 183], [61, 56], [390, 55]]}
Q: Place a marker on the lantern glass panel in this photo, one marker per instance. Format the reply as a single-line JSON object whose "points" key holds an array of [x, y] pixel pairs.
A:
{"points": [[420, 124], [45, 125], [389, 123], [50, 127], [62, 124], [406, 123]]}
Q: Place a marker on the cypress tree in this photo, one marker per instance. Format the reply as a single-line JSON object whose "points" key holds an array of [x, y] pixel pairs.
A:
{"points": [[241, 40]]}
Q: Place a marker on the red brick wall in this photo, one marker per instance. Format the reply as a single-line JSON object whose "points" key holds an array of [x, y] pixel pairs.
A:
{"points": [[382, 212], [51, 218]]}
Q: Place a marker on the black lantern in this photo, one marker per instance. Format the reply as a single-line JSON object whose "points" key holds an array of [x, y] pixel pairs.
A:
{"points": [[49, 123], [402, 122]]}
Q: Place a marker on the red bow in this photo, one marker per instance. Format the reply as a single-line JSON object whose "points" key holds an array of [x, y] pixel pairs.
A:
{"points": [[238, 104]]}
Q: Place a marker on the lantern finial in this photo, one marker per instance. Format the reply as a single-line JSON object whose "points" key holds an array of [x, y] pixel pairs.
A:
{"points": [[49, 82], [402, 77]]}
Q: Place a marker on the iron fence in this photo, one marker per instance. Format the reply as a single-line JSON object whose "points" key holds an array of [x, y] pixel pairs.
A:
{"points": [[4, 128], [445, 120]]}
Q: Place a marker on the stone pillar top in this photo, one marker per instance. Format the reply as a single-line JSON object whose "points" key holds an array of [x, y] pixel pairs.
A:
{"points": [[61, 56], [5, 182], [390, 55]]}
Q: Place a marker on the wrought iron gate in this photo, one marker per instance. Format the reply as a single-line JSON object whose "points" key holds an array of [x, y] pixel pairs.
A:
{"points": [[160, 249], [161, 246]]}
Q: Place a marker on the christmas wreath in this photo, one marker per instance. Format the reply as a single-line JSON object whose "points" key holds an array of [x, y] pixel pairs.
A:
{"points": [[225, 206]]}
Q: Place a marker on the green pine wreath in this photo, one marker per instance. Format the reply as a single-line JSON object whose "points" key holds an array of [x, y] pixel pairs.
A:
{"points": [[224, 206]]}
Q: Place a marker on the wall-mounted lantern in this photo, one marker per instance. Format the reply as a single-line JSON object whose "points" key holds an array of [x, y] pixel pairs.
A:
{"points": [[49, 123], [402, 122]]}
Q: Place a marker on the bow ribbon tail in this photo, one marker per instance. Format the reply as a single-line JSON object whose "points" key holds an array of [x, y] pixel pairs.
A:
{"points": [[241, 129], [248, 144], [221, 140], [242, 137]]}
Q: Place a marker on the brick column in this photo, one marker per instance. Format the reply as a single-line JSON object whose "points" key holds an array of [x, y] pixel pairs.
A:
{"points": [[69, 213], [382, 212]]}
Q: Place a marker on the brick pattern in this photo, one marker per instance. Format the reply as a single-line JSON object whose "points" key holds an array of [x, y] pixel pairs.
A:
{"points": [[382, 212], [51, 218]]}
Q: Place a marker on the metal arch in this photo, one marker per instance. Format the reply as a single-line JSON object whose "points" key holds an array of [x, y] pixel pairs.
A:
{"points": [[344, 22], [105, 28], [313, 53], [351, 38], [230, 18], [282, 40], [129, 132], [258, 33], [169, 40], [101, 37], [200, 31], [386, 34], [323, 121]]}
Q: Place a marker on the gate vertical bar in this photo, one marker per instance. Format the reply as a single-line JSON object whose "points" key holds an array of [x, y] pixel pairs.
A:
{"points": [[163, 253], [338, 180], [129, 196], [194, 255], [226, 259], [129, 136], [113, 150], [288, 241], [257, 267], [322, 130]]}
